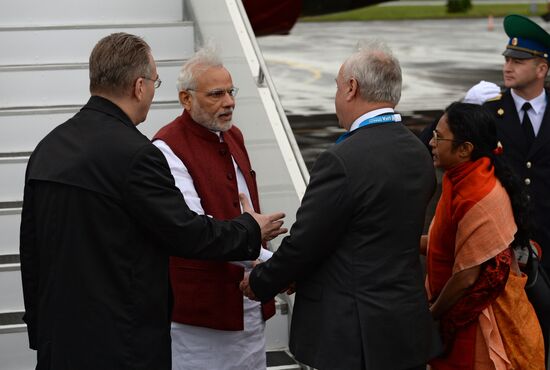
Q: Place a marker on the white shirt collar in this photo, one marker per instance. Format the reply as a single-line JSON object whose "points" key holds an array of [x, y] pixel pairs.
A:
{"points": [[372, 113], [538, 104], [219, 133]]}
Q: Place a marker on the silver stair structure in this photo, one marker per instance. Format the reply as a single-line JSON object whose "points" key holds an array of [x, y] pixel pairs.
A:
{"points": [[44, 81]]}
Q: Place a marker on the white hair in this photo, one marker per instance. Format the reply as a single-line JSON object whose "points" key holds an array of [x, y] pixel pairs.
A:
{"points": [[206, 57], [376, 70]]}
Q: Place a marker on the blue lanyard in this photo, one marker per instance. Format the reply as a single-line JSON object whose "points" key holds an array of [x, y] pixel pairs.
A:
{"points": [[384, 118]]}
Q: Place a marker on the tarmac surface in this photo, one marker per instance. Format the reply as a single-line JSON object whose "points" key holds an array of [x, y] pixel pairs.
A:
{"points": [[440, 60]]}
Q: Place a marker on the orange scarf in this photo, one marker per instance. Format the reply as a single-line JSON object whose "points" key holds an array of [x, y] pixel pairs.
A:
{"points": [[463, 186]]}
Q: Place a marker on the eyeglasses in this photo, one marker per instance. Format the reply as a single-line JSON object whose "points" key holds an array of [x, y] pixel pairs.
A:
{"points": [[437, 138], [219, 93], [157, 82]]}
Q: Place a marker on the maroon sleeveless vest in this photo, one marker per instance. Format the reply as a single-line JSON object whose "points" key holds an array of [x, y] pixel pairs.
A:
{"points": [[206, 293]]}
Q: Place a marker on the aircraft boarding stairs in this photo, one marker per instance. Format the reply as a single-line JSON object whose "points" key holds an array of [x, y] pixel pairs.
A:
{"points": [[44, 81]]}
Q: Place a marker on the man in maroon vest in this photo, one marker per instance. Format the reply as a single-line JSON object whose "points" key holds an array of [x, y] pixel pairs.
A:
{"points": [[213, 325]]}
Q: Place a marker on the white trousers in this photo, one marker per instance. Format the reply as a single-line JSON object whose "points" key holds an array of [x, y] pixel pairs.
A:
{"points": [[197, 348]]}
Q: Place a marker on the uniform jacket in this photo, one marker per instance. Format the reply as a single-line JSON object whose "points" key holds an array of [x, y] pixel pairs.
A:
{"points": [[101, 214], [206, 293], [354, 254], [532, 164]]}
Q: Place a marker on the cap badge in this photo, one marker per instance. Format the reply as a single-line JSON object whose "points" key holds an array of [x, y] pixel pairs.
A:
{"points": [[515, 41], [500, 112]]}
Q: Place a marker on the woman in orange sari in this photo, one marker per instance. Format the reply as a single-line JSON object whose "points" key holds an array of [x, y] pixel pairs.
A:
{"points": [[474, 284]]}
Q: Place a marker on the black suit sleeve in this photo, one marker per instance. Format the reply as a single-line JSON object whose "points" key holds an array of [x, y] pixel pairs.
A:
{"points": [[30, 267], [159, 206], [321, 221]]}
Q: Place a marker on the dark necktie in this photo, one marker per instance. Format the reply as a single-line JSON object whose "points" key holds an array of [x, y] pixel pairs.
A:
{"points": [[527, 126]]}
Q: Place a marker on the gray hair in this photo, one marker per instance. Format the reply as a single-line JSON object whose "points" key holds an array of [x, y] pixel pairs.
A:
{"points": [[204, 58], [377, 72]]}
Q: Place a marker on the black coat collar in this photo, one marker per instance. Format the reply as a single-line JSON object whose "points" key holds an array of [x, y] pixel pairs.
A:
{"points": [[106, 106]]}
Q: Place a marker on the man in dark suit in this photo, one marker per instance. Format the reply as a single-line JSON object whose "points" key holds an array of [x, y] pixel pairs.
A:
{"points": [[523, 127], [354, 249], [101, 215]]}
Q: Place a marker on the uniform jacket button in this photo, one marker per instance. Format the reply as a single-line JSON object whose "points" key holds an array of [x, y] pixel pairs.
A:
{"points": [[528, 165], [527, 181]]}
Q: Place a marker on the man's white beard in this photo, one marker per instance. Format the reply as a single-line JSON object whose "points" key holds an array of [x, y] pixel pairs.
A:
{"points": [[210, 122]]}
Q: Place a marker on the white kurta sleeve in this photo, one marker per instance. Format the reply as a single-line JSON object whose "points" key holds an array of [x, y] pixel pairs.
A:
{"points": [[183, 179], [265, 254]]}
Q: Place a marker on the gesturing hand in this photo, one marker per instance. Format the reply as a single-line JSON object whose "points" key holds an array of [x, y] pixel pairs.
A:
{"points": [[270, 224], [291, 289]]}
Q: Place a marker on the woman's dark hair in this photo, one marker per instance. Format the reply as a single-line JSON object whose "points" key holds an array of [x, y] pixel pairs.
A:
{"points": [[473, 123]]}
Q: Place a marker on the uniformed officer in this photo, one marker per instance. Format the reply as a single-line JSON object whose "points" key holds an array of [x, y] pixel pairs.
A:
{"points": [[523, 124]]}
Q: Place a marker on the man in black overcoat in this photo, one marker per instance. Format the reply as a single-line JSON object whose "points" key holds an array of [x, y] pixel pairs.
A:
{"points": [[101, 215], [354, 249]]}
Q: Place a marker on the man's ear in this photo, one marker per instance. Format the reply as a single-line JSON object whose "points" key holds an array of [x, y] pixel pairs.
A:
{"points": [[352, 89], [185, 99], [139, 88], [542, 69]]}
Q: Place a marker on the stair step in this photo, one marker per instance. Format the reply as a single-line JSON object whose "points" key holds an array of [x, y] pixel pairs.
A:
{"points": [[11, 318], [9, 259], [63, 59], [61, 12], [15, 155], [13, 205], [280, 360], [71, 82], [14, 348], [69, 66], [12, 175], [68, 108], [73, 44], [11, 289], [21, 128], [10, 220]]}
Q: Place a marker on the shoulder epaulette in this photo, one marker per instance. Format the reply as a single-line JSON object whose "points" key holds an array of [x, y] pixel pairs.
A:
{"points": [[496, 98]]}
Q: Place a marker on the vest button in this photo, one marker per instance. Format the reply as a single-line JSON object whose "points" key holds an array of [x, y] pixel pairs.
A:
{"points": [[528, 165], [527, 181], [230, 176], [235, 203], [223, 151]]}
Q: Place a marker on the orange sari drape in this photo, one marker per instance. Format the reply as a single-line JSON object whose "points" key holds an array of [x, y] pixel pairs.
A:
{"points": [[474, 224]]}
